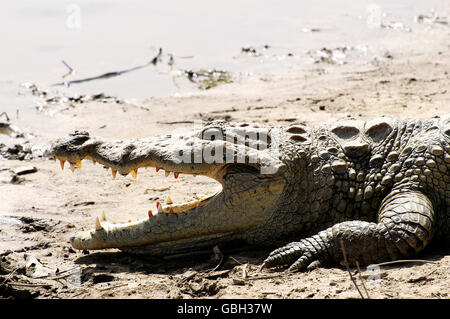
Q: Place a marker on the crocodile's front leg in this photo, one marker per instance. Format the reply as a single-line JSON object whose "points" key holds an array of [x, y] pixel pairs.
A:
{"points": [[405, 226]]}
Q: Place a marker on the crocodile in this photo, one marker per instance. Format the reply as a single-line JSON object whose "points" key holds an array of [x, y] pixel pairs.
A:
{"points": [[351, 192]]}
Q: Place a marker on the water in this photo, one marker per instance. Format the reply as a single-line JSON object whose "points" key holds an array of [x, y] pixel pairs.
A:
{"points": [[95, 37]]}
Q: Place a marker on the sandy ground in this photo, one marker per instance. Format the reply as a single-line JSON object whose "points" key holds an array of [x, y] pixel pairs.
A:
{"points": [[41, 210]]}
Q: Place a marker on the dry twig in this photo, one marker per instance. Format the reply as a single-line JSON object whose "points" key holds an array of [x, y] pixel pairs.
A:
{"points": [[244, 271], [405, 261], [70, 69], [113, 287], [235, 260], [6, 116], [362, 280], [348, 269]]}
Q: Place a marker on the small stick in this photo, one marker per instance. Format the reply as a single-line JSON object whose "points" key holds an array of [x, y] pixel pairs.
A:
{"points": [[78, 294], [175, 122], [6, 116], [405, 261], [157, 58], [244, 271], [235, 260], [113, 287], [362, 281], [70, 69], [68, 270], [12, 283], [265, 277], [60, 275], [269, 292], [348, 269], [431, 272], [218, 255], [422, 277], [10, 274], [102, 76]]}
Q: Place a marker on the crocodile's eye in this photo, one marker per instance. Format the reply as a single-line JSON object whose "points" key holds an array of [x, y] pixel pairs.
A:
{"points": [[212, 134]]}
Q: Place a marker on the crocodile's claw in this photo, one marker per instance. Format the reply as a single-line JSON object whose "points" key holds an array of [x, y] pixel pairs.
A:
{"points": [[301, 255]]}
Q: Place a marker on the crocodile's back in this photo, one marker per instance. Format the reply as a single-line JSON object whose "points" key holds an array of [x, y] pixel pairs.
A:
{"points": [[352, 166]]}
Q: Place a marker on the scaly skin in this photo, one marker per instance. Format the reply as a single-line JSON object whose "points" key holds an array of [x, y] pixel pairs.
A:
{"points": [[380, 190]]}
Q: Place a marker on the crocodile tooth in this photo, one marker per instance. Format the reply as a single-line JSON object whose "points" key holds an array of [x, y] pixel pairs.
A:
{"points": [[157, 169], [103, 215], [72, 167], [114, 173], [134, 172], [78, 163], [54, 158], [169, 200], [176, 175], [98, 226], [166, 173], [150, 213], [160, 210], [158, 204], [171, 210], [62, 163]]}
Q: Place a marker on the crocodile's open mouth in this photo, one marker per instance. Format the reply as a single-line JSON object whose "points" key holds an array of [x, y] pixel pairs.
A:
{"points": [[169, 206], [239, 205]]}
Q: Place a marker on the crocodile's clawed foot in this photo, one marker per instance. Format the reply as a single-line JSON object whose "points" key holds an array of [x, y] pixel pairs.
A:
{"points": [[302, 255]]}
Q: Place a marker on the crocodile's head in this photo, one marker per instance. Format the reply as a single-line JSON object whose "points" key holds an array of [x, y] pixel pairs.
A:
{"points": [[243, 159]]}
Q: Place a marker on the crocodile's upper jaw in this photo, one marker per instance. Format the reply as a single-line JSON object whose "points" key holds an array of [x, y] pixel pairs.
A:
{"points": [[240, 205]]}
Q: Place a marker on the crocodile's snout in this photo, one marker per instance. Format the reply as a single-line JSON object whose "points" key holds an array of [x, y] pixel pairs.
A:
{"points": [[238, 206]]}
